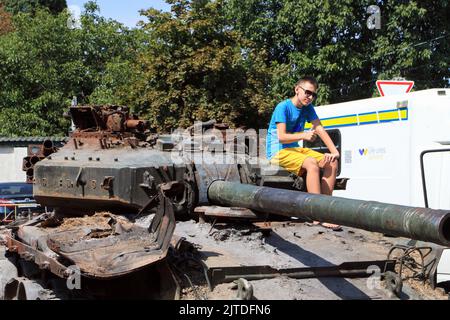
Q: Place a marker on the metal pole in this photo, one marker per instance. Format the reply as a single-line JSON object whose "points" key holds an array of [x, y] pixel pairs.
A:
{"points": [[415, 223]]}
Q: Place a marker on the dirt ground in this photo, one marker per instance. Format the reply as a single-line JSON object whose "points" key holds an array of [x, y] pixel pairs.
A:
{"points": [[289, 245]]}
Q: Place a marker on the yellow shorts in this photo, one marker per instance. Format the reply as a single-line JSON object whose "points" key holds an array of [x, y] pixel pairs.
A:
{"points": [[292, 158]]}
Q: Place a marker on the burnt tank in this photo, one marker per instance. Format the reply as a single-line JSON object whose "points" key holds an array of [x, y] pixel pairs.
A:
{"points": [[113, 163], [113, 166]]}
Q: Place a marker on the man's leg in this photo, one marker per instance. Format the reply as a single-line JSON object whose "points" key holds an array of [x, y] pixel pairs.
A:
{"points": [[295, 160], [327, 186], [312, 169], [329, 176]]}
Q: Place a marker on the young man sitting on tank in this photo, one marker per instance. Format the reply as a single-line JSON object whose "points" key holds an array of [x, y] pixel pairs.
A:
{"points": [[286, 129]]}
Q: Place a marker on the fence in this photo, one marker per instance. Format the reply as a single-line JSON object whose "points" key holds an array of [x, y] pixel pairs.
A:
{"points": [[15, 209]]}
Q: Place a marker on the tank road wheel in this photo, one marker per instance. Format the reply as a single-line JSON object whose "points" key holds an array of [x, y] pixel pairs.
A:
{"points": [[8, 272]]}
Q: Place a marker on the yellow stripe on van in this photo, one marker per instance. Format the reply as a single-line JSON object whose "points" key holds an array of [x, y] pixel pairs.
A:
{"points": [[371, 117], [336, 122], [404, 114], [390, 115], [340, 121]]}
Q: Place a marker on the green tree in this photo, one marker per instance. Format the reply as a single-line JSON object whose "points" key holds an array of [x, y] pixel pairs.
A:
{"points": [[36, 62], [107, 46], [331, 40], [16, 6], [414, 43], [5, 21], [44, 63], [196, 68]]}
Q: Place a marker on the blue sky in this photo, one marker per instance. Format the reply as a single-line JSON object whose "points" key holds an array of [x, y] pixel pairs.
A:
{"points": [[125, 11]]}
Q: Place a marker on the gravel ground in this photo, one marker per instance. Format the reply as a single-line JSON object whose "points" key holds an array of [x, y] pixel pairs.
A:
{"points": [[288, 244], [294, 244]]}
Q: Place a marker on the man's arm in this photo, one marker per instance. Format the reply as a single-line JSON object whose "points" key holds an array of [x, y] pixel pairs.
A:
{"points": [[293, 137], [334, 154]]}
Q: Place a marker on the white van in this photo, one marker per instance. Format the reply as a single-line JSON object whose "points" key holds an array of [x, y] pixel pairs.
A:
{"points": [[395, 149], [381, 141]]}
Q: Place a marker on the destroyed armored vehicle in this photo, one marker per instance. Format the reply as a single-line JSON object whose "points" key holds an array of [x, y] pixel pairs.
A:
{"points": [[113, 170]]}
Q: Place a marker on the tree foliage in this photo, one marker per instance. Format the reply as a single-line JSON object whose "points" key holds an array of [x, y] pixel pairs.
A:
{"points": [[5, 21], [231, 60], [44, 63], [414, 43], [30, 6], [197, 68], [331, 40]]}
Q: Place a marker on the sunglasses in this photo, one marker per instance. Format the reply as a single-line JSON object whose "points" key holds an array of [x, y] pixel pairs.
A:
{"points": [[310, 93]]}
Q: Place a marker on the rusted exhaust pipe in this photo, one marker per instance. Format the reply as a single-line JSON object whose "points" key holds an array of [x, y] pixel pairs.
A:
{"points": [[26, 163], [48, 147], [30, 172], [140, 125], [48, 144], [34, 160], [30, 175]]}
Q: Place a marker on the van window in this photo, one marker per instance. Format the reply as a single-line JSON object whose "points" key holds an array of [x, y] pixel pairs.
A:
{"points": [[16, 189]]}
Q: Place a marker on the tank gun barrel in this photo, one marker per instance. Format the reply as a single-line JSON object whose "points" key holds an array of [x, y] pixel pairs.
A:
{"points": [[416, 223]]}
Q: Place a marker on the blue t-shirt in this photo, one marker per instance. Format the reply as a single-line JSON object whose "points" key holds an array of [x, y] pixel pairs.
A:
{"points": [[295, 118]]}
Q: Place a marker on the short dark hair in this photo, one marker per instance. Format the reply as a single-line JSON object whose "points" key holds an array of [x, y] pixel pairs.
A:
{"points": [[309, 79]]}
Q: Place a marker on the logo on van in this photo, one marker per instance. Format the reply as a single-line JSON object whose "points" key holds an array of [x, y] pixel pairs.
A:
{"points": [[373, 153]]}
